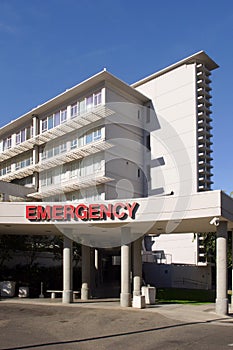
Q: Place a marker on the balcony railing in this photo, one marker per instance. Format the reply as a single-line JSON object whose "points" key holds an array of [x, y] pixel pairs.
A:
{"points": [[75, 154], [97, 113], [71, 185]]}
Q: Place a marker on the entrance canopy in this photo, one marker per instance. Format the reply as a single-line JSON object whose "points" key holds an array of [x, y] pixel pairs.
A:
{"points": [[198, 212]]}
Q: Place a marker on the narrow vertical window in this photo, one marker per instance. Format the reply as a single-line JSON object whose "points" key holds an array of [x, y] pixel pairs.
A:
{"points": [[148, 146], [89, 102], [63, 115], [57, 119], [18, 138], [44, 125], [50, 122], [97, 98]]}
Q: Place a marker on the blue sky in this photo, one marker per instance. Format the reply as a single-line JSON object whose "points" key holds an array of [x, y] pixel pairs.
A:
{"points": [[49, 46]]}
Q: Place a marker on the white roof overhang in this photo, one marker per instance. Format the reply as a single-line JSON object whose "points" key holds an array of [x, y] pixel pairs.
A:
{"points": [[155, 215]]}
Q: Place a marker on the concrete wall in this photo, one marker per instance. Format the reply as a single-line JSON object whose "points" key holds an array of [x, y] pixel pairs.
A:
{"points": [[180, 248], [177, 276], [124, 161], [174, 100]]}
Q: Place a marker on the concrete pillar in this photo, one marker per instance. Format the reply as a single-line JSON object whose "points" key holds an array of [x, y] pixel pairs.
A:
{"points": [[67, 296], [96, 259], [137, 266], [86, 272], [97, 263], [125, 276], [221, 305], [13, 140], [125, 297], [35, 125]]}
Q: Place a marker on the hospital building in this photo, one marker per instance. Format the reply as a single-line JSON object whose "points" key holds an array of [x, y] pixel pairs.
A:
{"points": [[129, 165]]}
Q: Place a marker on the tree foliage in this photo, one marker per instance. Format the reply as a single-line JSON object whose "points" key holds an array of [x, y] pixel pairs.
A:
{"points": [[31, 246], [209, 242]]}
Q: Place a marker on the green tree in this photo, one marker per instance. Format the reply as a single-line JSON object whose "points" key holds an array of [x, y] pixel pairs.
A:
{"points": [[209, 242]]}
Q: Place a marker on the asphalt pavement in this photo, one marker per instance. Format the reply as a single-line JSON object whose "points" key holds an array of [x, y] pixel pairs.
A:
{"points": [[102, 324]]}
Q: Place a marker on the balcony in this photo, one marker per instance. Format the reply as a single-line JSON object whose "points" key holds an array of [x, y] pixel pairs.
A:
{"points": [[202, 99], [77, 122], [204, 124], [67, 157], [204, 166], [203, 76], [14, 151], [75, 154], [19, 174], [204, 83], [204, 92], [70, 125], [203, 148], [204, 132], [202, 116], [71, 185], [204, 181], [202, 156], [202, 107], [201, 68]]}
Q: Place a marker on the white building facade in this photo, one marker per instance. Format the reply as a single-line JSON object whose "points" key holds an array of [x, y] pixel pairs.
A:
{"points": [[105, 140]]}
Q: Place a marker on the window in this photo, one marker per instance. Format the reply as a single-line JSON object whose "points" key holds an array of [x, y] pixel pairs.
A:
{"points": [[49, 178], [89, 137], [89, 166], [44, 125], [97, 165], [74, 169], [28, 161], [50, 153], [7, 143], [148, 142], [148, 114], [24, 134], [63, 115], [148, 173], [32, 131], [43, 180], [50, 122], [57, 119], [63, 147], [8, 169], [23, 163], [97, 134], [97, 98], [82, 106], [53, 151], [89, 102], [18, 138], [63, 173], [74, 110], [73, 144], [56, 150], [93, 136]]}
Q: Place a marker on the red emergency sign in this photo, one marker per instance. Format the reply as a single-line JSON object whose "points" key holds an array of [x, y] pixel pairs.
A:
{"points": [[83, 212]]}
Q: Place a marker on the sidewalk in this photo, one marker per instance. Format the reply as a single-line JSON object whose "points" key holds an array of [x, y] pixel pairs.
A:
{"points": [[180, 312]]}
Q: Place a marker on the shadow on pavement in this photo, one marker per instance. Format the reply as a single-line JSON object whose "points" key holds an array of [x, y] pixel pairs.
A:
{"points": [[33, 346]]}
